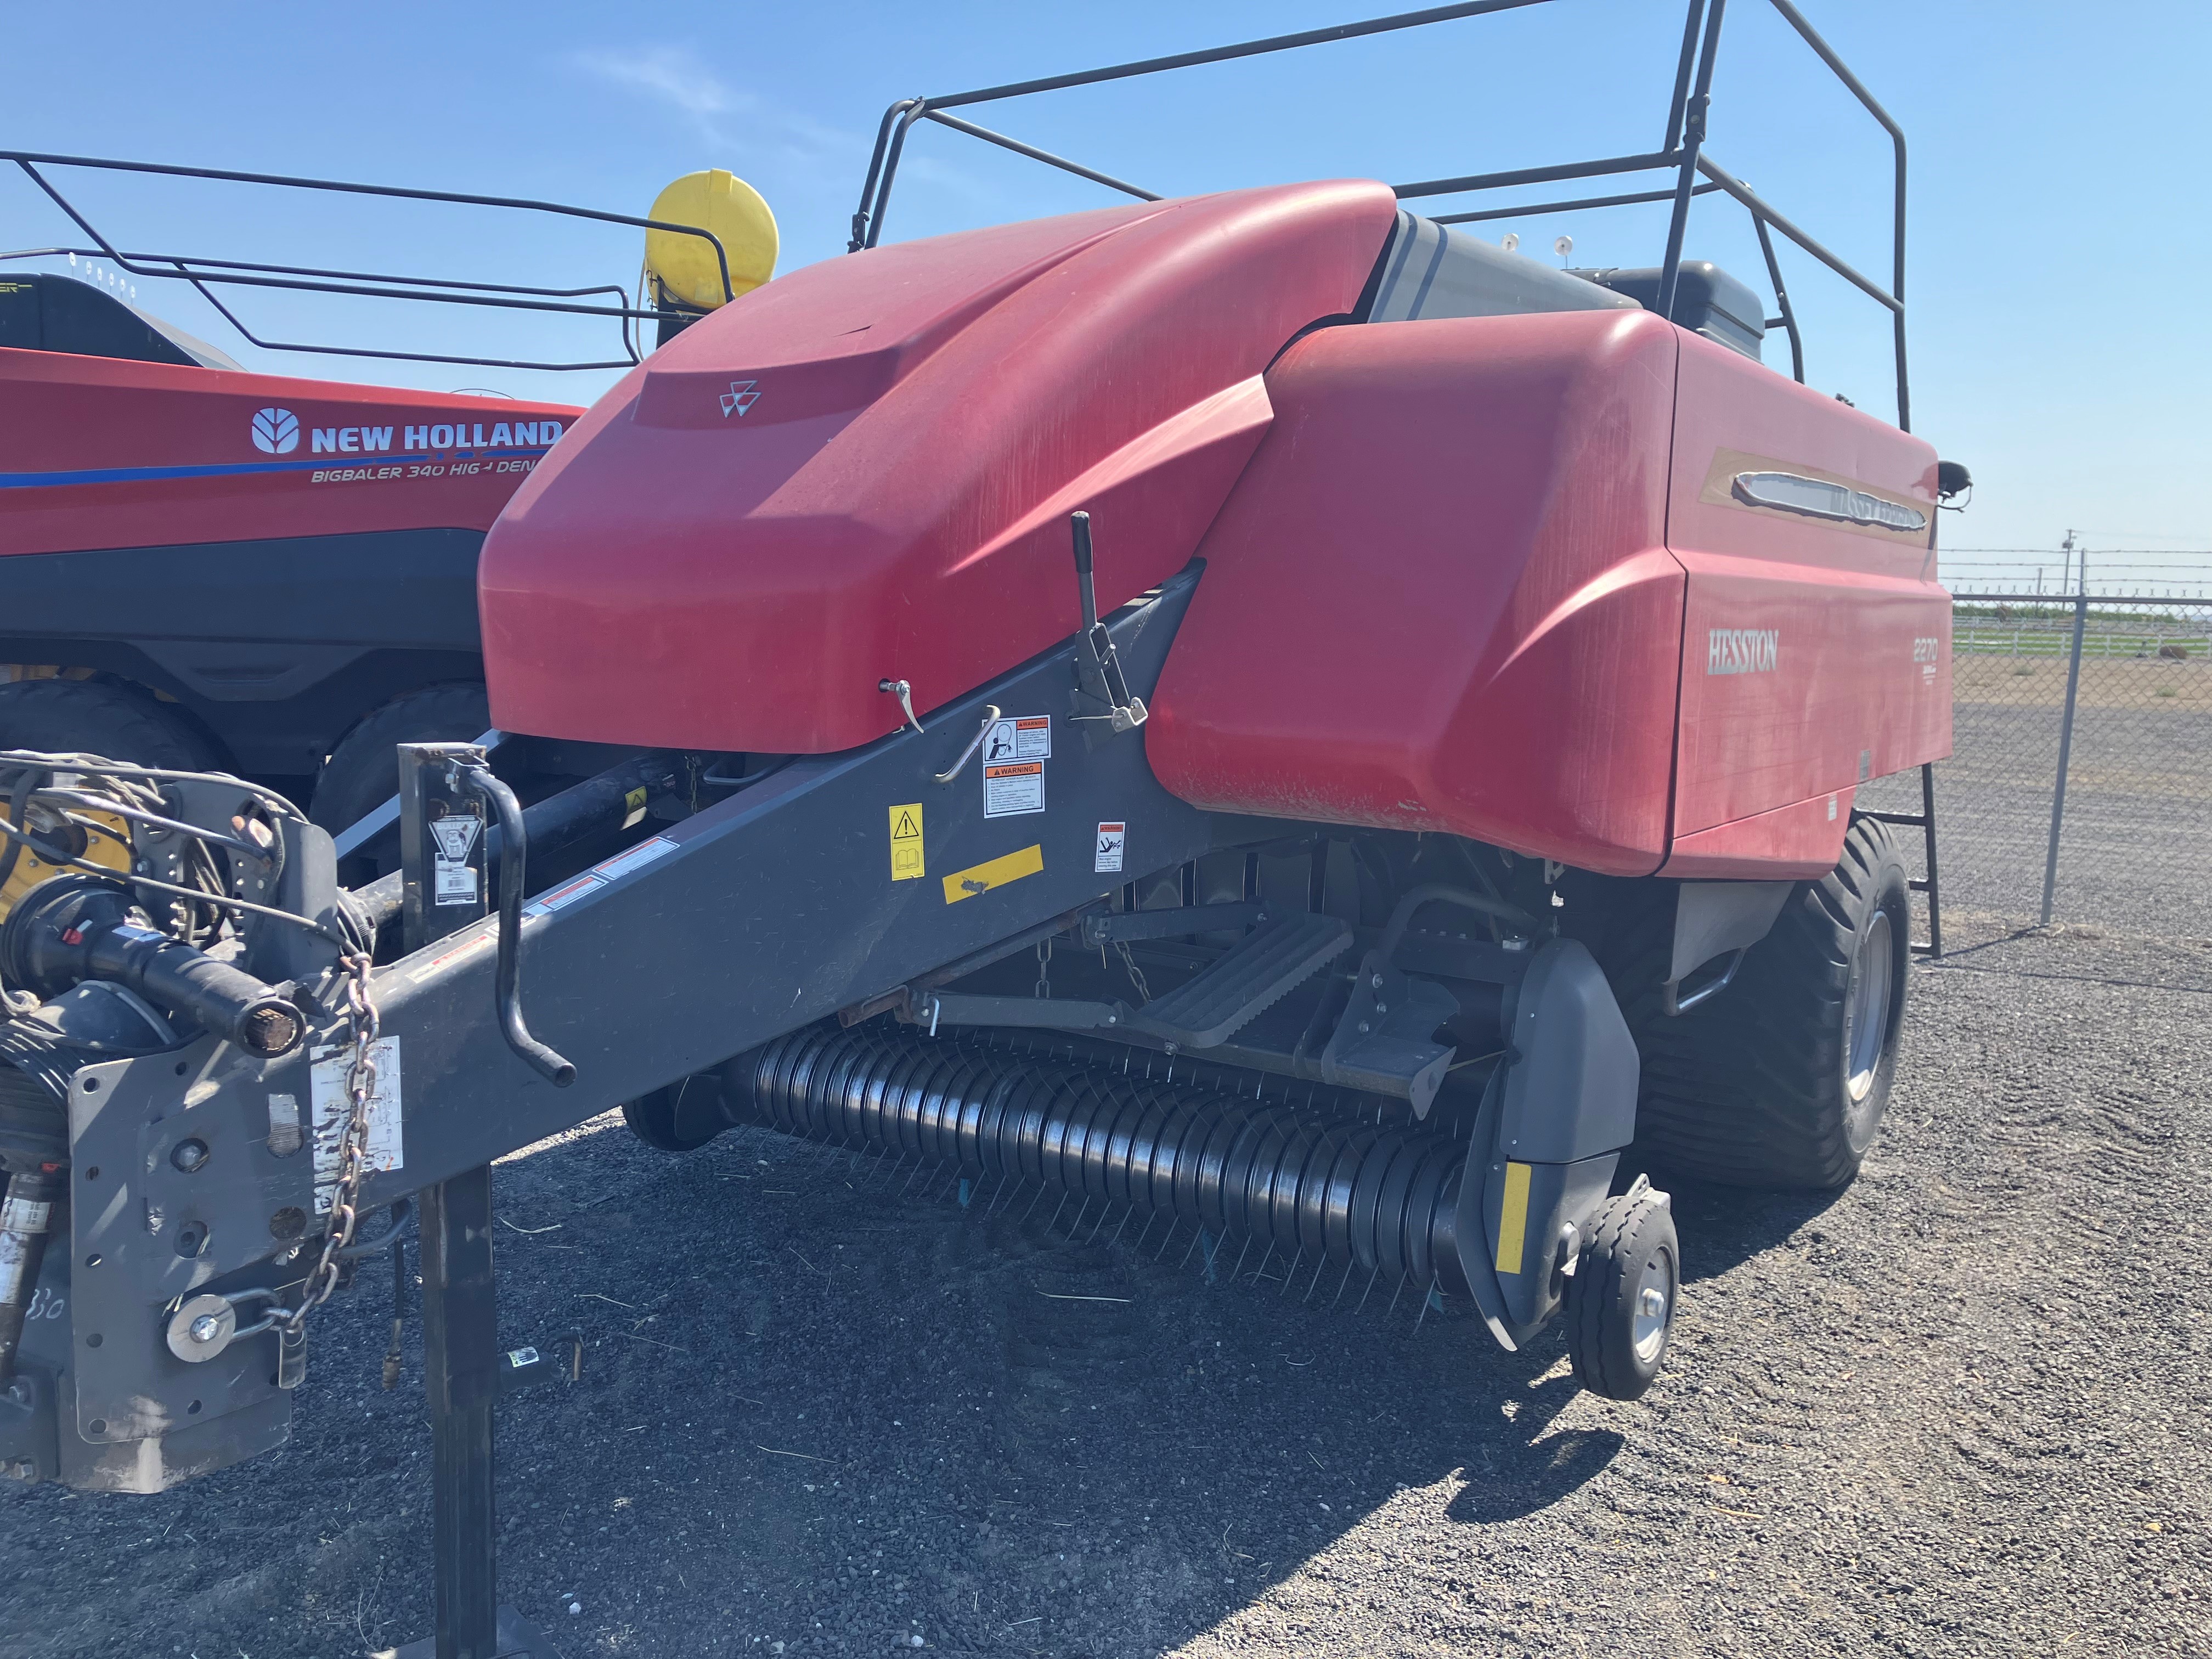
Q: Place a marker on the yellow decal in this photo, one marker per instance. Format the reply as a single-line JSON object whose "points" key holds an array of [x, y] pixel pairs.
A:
{"points": [[905, 842], [1513, 1219], [982, 877], [634, 808]]}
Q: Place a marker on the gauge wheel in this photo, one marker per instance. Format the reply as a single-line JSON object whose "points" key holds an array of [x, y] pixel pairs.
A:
{"points": [[1621, 1300]]}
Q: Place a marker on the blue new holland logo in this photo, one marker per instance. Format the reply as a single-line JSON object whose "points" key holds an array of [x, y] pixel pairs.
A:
{"points": [[276, 431]]}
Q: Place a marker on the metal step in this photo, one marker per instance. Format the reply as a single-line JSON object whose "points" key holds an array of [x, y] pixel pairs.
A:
{"points": [[1260, 970]]}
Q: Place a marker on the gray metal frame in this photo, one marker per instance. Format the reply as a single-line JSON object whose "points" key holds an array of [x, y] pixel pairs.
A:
{"points": [[205, 274], [1682, 152]]}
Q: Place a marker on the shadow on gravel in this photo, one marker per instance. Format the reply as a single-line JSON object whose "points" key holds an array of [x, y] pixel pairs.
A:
{"points": [[821, 1410], [892, 1414], [1533, 1467], [1723, 1227]]}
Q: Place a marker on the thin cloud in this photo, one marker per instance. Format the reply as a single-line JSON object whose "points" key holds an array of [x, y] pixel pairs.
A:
{"points": [[676, 78], [737, 123], [669, 74]]}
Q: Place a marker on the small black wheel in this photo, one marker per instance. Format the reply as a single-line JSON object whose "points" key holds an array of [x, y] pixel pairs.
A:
{"points": [[362, 773], [1620, 1301], [680, 1118], [105, 718]]}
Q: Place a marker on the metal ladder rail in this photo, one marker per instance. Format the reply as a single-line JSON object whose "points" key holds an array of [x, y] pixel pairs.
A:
{"points": [[1924, 821]]}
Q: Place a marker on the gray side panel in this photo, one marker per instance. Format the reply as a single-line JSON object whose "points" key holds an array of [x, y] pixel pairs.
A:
{"points": [[1712, 917], [1570, 1088], [1431, 271]]}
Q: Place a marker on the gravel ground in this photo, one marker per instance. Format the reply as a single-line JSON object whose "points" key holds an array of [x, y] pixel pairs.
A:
{"points": [[1960, 1409]]}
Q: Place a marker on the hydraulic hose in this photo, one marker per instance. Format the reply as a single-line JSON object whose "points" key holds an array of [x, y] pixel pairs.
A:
{"points": [[553, 823], [26, 1219]]}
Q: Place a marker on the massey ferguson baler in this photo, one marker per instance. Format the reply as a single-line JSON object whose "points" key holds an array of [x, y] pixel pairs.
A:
{"points": [[1259, 720]]}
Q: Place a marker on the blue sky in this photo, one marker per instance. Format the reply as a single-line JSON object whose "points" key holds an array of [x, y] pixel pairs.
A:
{"points": [[2058, 346]]}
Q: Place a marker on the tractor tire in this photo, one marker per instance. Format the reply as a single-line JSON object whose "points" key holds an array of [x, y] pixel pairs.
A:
{"points": [[680, 1118], [1620, 1301], [360, 772], [101, 717], [1781, 1080]]}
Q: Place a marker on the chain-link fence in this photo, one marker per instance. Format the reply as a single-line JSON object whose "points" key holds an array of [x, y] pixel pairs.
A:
{"points": [[2080, 787]]}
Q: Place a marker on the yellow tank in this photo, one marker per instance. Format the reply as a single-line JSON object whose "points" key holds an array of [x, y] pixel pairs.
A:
{"points": [[685, 267]]}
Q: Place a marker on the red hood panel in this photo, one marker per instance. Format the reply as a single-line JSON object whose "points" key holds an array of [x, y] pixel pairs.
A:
{"points": [[863, 471]]}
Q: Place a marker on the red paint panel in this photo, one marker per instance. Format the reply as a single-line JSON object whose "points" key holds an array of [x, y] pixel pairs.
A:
{"points": [[891, 502], [1816, 655], [1798, 842], [172, 455], [1440, 597]]}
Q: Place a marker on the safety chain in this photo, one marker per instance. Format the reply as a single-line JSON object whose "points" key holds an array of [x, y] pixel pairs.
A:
{"points": [[1136, 974], [353, 1148]]}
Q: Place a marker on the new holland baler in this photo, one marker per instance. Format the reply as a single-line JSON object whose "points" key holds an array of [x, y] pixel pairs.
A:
{"points": [[1260, 714]]}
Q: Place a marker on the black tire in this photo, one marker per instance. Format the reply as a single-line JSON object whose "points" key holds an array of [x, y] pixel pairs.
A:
{"points": [[101, 717], [361, 773], [1782, 1080], [1616, 1339], [680, 1118]]}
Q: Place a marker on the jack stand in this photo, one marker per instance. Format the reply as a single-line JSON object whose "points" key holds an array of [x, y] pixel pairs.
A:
{"points": [[442, 854], [461, 1362]]}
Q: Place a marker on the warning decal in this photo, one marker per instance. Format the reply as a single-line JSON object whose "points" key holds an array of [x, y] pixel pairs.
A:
{"points": [[567, 893], [1019, 737], [1112, 838], [906, 843], [634, 857], [452, 881], [486, 936], [1017, 786]]}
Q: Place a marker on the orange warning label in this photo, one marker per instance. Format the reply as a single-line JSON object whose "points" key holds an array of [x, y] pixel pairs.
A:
{"points": [[1016, 786]]}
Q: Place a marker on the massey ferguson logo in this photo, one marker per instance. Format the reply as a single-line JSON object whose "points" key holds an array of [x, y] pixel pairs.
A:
{"points": [[276, 431], [1743, 650], [739, 397]]}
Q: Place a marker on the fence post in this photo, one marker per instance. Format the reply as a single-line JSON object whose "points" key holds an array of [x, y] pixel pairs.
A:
{"points": [[2065, 739]]}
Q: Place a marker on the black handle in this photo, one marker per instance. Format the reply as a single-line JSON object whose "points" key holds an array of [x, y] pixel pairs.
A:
{"points": [[513, 853], [1080, 523]]}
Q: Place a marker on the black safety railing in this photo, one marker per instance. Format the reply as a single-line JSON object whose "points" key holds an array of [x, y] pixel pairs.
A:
{"points": [[1683, 152], [206, 274]]}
